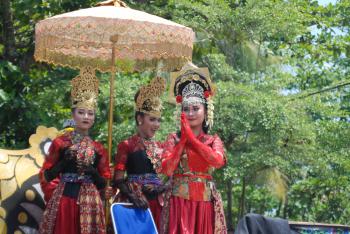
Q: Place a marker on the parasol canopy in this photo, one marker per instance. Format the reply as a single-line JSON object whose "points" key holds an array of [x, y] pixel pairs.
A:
{"points": [[83, 38]]}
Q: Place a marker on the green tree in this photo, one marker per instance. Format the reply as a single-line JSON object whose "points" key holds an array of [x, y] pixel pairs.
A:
{"points": [[285, 131]]}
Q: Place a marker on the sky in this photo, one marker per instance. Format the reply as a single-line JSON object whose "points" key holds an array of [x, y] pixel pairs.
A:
{"points": [[336, 30], [326, 2]]}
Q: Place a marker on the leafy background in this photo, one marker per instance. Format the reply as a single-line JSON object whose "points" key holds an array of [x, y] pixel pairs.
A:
{"points": [[282, 106]]}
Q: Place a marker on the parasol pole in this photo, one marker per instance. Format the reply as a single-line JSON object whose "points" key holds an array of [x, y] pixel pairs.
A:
{"points": [[113, 39]]}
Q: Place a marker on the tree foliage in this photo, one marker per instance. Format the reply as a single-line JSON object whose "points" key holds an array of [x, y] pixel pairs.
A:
{"points": [[287, 144]]}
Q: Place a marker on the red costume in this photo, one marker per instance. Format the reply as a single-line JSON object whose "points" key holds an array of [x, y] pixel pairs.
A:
{"points": [[73, 201], [139, 158], [194, 204], [191, 206]]}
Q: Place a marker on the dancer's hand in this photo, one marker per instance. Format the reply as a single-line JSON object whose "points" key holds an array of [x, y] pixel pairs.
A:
{"points": [[99, 181], [185, 128], [154, 190], [69, 155], [89, 170], [139, 202]]}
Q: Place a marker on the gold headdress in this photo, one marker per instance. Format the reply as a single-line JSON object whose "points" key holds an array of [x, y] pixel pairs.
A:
{"points": [[193, 85], [147, 100], [85, 89]]}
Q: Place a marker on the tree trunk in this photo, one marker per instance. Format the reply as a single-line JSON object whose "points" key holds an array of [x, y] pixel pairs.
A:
{"points": [[242, 200], [8, 31], [229, 205], [285, 208], [280, 206]]}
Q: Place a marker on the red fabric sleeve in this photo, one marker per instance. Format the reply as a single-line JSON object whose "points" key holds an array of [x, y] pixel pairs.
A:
{"points": [[121, 156], [219, 149], [103, 163], [57, 145], [51, 159], [214, 155], [171, 154]]}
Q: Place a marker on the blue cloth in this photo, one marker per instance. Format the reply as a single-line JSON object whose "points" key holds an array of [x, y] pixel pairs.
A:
{"points": [[75, 178], [323, 230], [148, 178], [258, 224], [130, 220]]}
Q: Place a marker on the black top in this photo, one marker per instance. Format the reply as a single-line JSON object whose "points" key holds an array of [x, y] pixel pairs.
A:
{"points": [[139, 163], [258, 224], [72, 189]]}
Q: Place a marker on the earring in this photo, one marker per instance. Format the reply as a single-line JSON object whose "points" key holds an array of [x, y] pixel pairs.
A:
{"points": [[139, 123]]}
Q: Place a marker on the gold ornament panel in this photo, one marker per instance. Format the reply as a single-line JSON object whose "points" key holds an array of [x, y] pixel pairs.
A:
{"points": [[21, 201]]}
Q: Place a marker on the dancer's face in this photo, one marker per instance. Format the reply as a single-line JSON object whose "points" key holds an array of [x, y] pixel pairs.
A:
{"points": [[84, 118], [195, 114], [148, 125]]}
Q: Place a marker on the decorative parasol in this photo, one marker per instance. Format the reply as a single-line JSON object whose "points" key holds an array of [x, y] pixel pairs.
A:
{"points": [[83, 38], [113, 38]]}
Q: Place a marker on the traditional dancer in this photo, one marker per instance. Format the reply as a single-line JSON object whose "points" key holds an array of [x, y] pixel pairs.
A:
{"points": [[80, 165], [138, 157], [191, 156]]}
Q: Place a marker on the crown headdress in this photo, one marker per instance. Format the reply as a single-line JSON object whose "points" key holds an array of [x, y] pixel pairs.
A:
{"points": [[193, 85], [193, 93], [85, 89], [148, 100]]}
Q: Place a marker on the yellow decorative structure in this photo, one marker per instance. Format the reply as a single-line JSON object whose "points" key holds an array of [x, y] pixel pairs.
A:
{"points": [[30, 195], [22, 217], [17, 167], [3, 226]]}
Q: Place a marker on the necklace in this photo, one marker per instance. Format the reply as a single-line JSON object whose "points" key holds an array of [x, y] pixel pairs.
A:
{"points": [[85, 150], [77, 137], [153, 152]]}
